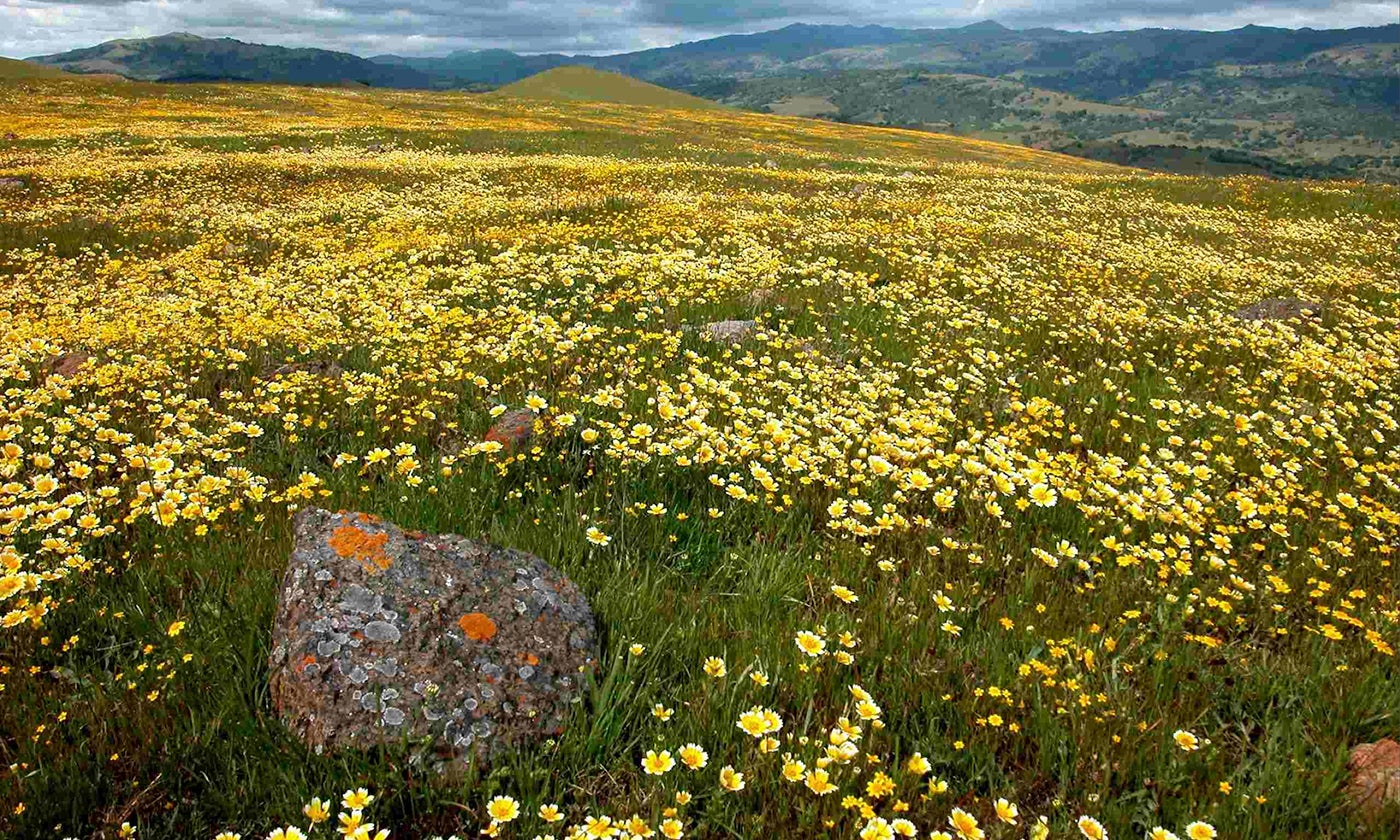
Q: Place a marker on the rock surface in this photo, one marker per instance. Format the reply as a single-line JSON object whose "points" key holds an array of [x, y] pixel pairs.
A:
{"points": [[68, 364], [326, 368], [1279, 309], [460, 648], [513, 429], [1374, 788], [732, 332]]}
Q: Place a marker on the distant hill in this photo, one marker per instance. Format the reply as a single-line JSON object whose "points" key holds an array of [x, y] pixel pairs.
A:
{"points": [[585, 84], [478, 68], [1095, 65], [185, 57], [1091, 65]]}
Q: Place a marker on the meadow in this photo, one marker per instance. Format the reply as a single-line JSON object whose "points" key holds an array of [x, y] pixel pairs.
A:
{"points": [[999, 525]]}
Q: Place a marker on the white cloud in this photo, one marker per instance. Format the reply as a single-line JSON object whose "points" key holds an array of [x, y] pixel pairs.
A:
{"points": [[426, 27]]}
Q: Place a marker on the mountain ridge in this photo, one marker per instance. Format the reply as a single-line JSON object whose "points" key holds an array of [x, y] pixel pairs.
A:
{"points": [[984, 48], [180, 56]]}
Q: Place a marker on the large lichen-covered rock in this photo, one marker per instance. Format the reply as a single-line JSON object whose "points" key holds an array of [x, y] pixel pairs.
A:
{"points": [[460, 647], [1374, 783]]}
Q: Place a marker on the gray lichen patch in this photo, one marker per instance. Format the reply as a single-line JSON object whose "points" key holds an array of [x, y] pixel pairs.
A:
{"points": [[459, 647], [1280, 309], [729, 332]]}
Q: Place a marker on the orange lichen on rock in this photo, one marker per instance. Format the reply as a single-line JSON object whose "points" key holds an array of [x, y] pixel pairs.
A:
{"points": [[1374, 787], [368, 548], [478, 626]]}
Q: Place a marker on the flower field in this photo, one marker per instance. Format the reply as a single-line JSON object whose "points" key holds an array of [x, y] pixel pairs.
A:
{"points": [[998, 523]]}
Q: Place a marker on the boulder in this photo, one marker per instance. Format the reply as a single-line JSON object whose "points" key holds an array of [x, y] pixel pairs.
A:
{"points": [[731, 332], [68, 364], [458, 648], [325, 368], [1279, 309], [1374, 786], [513, 429], [11, 185]]}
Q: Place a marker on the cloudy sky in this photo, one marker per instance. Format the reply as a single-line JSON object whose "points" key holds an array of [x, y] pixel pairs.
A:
{"points": [[434, 27]]}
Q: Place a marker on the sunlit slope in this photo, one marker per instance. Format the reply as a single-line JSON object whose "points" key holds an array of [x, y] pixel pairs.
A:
{"points": [[584, 84], [259, 117], [11, 68]]}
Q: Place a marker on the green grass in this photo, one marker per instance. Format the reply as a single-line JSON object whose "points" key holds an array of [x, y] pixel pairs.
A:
{"points": [[195, 263]]}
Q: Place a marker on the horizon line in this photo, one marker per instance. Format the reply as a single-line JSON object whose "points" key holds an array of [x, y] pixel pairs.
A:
{"points": [[975, 24]]}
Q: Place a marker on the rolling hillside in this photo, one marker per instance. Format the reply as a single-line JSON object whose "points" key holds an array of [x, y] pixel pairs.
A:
{"points": [[181, 57], [1286, 102], [1277, 118], [585, 84]]}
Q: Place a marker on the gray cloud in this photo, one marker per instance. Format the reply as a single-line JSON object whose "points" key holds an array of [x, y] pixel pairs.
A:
{"points": [[729, 12], [427, 27]]}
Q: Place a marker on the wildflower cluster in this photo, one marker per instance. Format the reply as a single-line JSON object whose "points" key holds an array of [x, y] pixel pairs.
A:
{"points": [[994, 504]]}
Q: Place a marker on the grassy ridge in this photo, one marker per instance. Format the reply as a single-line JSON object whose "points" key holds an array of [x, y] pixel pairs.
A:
{"points": [[584, 84], [13, 69]]}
